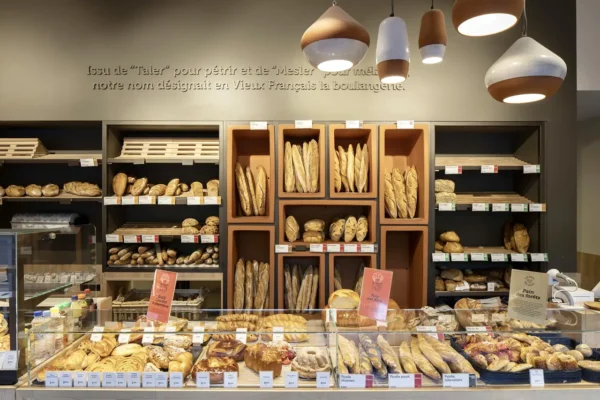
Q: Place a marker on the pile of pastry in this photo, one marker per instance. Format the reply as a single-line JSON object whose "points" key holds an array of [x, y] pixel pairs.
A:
{"points": [[251, 285], [130, 185], [422, 353], [301, 167], [191, 226], [349, 229], [444, 191], [162, 255], [454, 279], [449, 243], [301, 287], [400, 193], [252, 194], [351, 171], [51, 190], [516, 237]]}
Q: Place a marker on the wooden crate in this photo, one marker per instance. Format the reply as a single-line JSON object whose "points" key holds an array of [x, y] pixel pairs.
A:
{"points": [[304, 259], [167, 148], [21, 148]]}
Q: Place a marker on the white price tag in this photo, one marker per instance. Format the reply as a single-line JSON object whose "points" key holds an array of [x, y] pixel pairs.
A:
{"points": [[536, 207], [283, 248], [539, 257], [459, 257], [97, 335], [323, 380], [478, 317], [134, 379], [176, 379], [148, 379], [453, 170], [88, 162], [499, 257], [459, 380], [489, 169], [291, 380], [399, 381], [166, 200], [317, 248], [193, 201], [111, 238], [349, 381], [147, 200], [124, 336], [334, 248], [499, 207], [519, 208], [65, 379], [447, 207], [131, 239], [463, 286], [518, 258], [479, 207], [430, 330], [241, 334], [121, 379], [209, 238], [405, 124], [93, 379], [331, 316], [278, 333], [303, 124], [353, 124], [109, 379], [9, 361], [498, 317], [189, 238], [150, 238], [258, 125], [112, 201], [536, 377], [211, 200], [148, 337], [479, 257], [491, 286], [52, 379], [202, 380], [477, 329], [366, 248], [531, 169], [439, 257], [129, 200], [350, 248], [79, 379], [230, 380], [198, 335]]}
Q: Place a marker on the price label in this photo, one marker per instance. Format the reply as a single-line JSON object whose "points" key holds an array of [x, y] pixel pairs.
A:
{"points": [[366, 248], [334, 248], [189, 238], [65, 379], [88, 162], [447, 207], [317, 248], [350, 381], [459, 257], [405, 124], [291, 380], [132, 239], [150, 238], [112, 201], [230, 380], [331, 316], [464, 285], [350, 248], [148, 379], [439, 257], [498, 317], [531, 169], [499, 257], [209, 238], [519, 208], [499, 207], [198, 336], [121, 379], [303, 124], [430, 330], [381, 324], [129, 200], [109, 379], [211, 200], [536, 207], [479, 257], [111, 238], [134, 379], [398, 381], [97, 335], [539, 257], [489, 169], [283, 248], [518, 258], [491, 286], [124, 336], [478, 317], [258, 125], [479, 207], [278, 333], [147, 200], [241, 334], [453, 170], [166, 200], [202, 380], [354, 124], [79, 379], [536, 377], [323, 380], [176, 379], [193, 201], [52, 379], [459, 380], [94, 379], [148, 337], [478, 329]]}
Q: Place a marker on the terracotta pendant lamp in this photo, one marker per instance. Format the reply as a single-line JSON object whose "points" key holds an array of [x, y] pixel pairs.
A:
{"points": [[432, 36], [393, 55], [485, 17], [527, 72], [335, 41]]}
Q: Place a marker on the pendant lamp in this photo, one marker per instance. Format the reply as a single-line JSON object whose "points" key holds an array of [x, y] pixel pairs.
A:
{"points": [[335, 41], [393, 55], [485, 17], [432, 36], [527, 72]]}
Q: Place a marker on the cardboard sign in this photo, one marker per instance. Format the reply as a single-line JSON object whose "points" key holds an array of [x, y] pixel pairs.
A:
{"points": [[375, 294], [161, 297], [528, 296]]}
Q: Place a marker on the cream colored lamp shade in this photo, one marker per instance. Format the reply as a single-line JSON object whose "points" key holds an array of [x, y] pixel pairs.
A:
{"points": [[485, 17], [335, 41], [432, 37], [527, 72], [393, 55]]}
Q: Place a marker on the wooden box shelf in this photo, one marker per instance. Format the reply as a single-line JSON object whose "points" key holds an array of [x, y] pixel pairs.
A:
{"points": [[250, 242], [301, 259], [288, 133], [401, 148], [340, 136], [250, 148], [326, 210], [348, 265], [404, 252]]}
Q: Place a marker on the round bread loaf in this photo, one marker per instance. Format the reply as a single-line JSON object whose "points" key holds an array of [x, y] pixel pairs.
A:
{"points": [[33, 190], [119, 184], [50, 190], [344, 299], [15, 191]]}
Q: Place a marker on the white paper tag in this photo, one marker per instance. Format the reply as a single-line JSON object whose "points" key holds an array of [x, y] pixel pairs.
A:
{"points": [[479, 257], [500, 207], [51, 379], [111, 201], [148, 338], [536, 207], [124, 336], [150, 238], [147, 200], [176, 379], [405, 124], [459, 257], [241, 334], [166, 200], [148, 379], [453, 170], [88, 162], [536, 377], [121, 379], [518, 258], [459, 380], [478, 317], [277, 333], [447, 206], [230, 380], [198, 336], [211, 200], [498, 317], [10, 360], [439, 257], [97, 335], [193, 201], [489, 169], [519, 208], [303, 124], [202, 380], [134, 379], [429, 330], [109, 379], [132, 239], [366, 248], [353, 124], [65, 379], [283, 248], [491, 286], [189, 238], [531, 169], [479, 207], [334, 248], [349, 381], [323, 380], [398, 381], [291, 380], [350, 248], [209, 238], [539, 257], [112, 238], [128, 200], [258, 125], [462, 286], [79, 379], [499, 257], [477, 329], [94, 379], [317, 248], [331, 316]]}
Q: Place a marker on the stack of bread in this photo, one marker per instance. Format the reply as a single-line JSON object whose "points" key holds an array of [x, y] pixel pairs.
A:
{"points": [[123, 185], [351, 171], [191, 226], [314, 231], [444, 191], [400, 193], [301, 287], [516, 237], [161, 255], [449, 243], [301, 167], [454, 279], [251, 285], [252, 193]]}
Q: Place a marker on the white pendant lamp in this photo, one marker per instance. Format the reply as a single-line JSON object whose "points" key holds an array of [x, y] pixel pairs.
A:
{"points": [[485, 17], [432, 36], [335, 41], [527, 72], [393, 55]]}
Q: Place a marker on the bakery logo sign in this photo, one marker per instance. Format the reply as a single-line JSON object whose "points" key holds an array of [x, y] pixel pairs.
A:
{"points": [[377, 281], [529, 280]]}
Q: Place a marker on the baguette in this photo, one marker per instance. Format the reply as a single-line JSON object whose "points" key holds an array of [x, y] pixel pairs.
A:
{"points": [[248, 288], [300, 299], [424, 365], [350, 172], [243, 191], [260, 302], [390, 200], [400, 193], [288, 287], [412, 184], [255, 273], [315, 285], [389, 356], [337, 178], [456, 362], [238, 290], [288, 169], [299, 170], [261, 190], [433, 356], [408, 363], [364, 170], [252, 188], [344, 168], [306, 159], [314, 166], [295, 286], [357, 165], [337, 279]]}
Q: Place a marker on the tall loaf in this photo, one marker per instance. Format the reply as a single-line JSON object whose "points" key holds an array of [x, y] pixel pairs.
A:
{"points": [[288, 169], [261, 190], [243, 190], [314, 166], [299, 171]]}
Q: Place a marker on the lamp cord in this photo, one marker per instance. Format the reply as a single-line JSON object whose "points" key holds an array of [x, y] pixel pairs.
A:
{"points": [[525, 19], [432, 4], [392, 14], [334, 3]]}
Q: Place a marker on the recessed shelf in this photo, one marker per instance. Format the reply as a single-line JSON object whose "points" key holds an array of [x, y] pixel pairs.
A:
{"points": [[472, 293], [55, 158], [474, 162], [61, 198]]}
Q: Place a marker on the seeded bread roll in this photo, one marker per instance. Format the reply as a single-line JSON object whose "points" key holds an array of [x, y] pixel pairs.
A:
{"points": [[444, 185], [261, 190], [299, 171], [344, 168], [314, 166], [399, 186], [243, 190], [288, 170], [350, 168], [444, 197], [252, 187]]}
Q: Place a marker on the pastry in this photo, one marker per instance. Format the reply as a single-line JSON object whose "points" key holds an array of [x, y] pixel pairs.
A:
{"points": [[127, 349], [314, 225], [585, 350], [412, 184], [590, 365], [158, 356], [449, 237], [260, 357], [299, 171], [350, 229], [399, 186], [33, 190], [306, 160], [344, 168], [364, 171], [238, 290], [337, 178], [453, 247], [242, 189], [216, 366], [248, 288], [453, 274], [350, 168], [389, 197], [50, 190], [212, 188], [336, 229], [261, 190], [444, 185], [292, 230], [260, 301], [74, 360], [313, 237], [252, 188], [288, 169], [119, 184], [309, 361], [233, 349], [362, 228]]}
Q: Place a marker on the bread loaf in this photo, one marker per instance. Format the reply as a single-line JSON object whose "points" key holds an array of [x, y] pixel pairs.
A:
{"points": [[295, 286], [398, 184], [292, 230], [260, 357], [363, 180], [439, 284], [238, 290], [389, 197], [314, 225], [197, 189], [439, 245], [172, 187], [344, 299], [50, 190], [521, 238], [444, 185], [288, 169], [158, 190], [261, 190], [248, 287], [314, 166], [344, 168], [350, 168], [251, 188], [119, 184], [337, 177], [190, 222], [362, 228], [212, 188], [306, 160], [313, 237], [138, 186], [243, 190], [33, 190], [443, 197], [299, 171], [449, 236], [453, 247], [357, 165], [412, 185], [453, 274], [82, 189], [350, 229], [336, 229]]}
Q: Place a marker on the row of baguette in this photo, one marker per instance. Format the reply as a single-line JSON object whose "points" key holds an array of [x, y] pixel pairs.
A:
{"points": [[162, 255], [400, 193], [351, 171], [301, 167], [251, 285], [252, 193]]}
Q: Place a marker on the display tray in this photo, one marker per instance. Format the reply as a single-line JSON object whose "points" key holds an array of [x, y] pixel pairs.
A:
{"points": [[62, 197], [475, 162]]}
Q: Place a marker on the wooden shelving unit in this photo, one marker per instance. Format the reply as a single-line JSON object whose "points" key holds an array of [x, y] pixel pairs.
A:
{"points": [[301, 259]]}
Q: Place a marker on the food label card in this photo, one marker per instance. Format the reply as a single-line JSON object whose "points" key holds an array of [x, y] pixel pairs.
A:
{"points": [[375, 294], [528, 298], [161, 297]]}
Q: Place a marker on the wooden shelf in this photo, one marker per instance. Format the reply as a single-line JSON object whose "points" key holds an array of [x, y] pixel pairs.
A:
{"points": [[348, 265], [465, 201], [251, 148], [488, 251], [204, 268], [165, 232], [289, 133], [149, 276], [177, 200], [55, 157], [340, 136], [472, 293], [61, 198], [474, 162], [304, 259], [182, 161], [401, 148]]}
